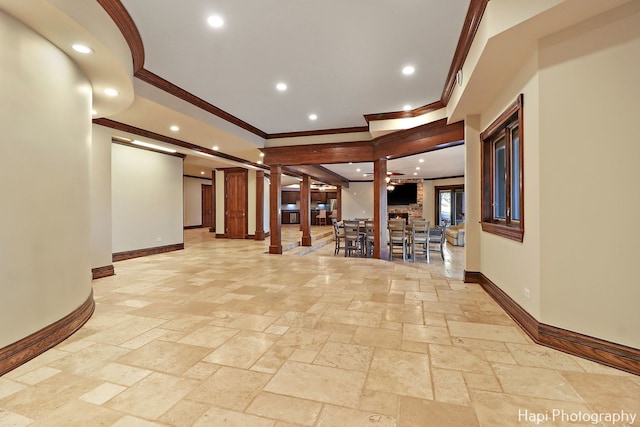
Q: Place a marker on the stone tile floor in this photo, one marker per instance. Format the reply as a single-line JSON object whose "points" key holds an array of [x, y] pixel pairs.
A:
{"points": [[222, 334]]}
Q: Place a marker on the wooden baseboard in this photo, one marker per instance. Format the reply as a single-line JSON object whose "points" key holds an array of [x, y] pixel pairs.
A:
{"points": [[221, 236], [595, 349], [100, 272], [191, 227], [121, 256], [37, 343]]}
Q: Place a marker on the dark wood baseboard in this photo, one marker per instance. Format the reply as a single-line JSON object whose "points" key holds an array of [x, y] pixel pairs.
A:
{"points": [[191, 227], [212, 229], [121, 256], [221, 236], [595, 349], [100, 272], [37, 343]]}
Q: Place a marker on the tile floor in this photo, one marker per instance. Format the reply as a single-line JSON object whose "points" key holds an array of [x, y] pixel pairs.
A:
{"points": [[222, 334]]}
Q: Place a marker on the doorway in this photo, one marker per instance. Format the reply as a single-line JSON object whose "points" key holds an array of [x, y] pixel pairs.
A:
{"points": [[450, 204], [207, 206]]}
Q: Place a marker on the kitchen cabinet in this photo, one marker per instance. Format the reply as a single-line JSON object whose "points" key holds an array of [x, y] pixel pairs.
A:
{"points": [[290, 197], [318, 197]]}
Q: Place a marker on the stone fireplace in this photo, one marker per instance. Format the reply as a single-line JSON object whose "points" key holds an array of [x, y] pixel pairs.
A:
{"points": [[414, 210]]}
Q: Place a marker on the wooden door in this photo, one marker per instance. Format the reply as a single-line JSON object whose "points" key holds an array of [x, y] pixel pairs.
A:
{"points": [[236, 206], [207, 206]]}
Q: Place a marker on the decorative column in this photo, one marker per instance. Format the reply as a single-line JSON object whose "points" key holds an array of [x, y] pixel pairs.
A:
{"points": [[275, 210], [305, 210], [380, 248]]}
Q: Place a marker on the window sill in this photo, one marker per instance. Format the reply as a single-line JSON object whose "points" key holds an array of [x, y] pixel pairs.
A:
{"points": [[511, 233]]}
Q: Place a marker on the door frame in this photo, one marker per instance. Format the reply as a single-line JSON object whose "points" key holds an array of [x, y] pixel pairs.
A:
{"points": [[436, 204]]}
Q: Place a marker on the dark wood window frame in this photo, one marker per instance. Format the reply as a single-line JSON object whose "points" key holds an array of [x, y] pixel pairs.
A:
{"points": [[497, 131], [436, 203]]}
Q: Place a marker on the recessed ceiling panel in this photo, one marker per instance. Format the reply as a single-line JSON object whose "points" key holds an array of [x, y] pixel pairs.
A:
{"points": [[339, 59]]}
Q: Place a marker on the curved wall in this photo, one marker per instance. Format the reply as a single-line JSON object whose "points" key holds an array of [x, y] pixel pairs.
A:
{"points": [[45, 269]]}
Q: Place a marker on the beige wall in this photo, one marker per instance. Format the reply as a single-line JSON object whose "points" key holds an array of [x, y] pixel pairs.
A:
{"points": [[147, 199], [589, 110], [580, 175], [515, 266], [45, 248], [193, 200], [251, 202], [101, 243], [267, 203], [219, 201], [472, 193], [357, 200]]}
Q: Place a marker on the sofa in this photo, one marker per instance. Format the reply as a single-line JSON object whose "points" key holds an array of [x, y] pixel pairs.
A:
{"points": [[455, 234]]}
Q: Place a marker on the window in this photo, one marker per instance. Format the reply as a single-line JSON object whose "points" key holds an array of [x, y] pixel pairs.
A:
{"points": [[502, 178]]}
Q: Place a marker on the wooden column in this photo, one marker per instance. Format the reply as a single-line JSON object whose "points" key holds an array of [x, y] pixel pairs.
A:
{"points": [[275, 210], [305, 210], [259, 235], [339, 202], [380, 249], [212, 229]]}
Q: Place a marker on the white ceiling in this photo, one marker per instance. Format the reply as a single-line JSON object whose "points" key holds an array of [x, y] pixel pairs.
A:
{"points": [[448, 162], [340, 59]]}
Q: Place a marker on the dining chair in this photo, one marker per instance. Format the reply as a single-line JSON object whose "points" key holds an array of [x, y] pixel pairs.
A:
{"points": [[353, 238], [419, 238], [369, 237], [436, 240], [322, 217], [397, 237], [338, 236]]}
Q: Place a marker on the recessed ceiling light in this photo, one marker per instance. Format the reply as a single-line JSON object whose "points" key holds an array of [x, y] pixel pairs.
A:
{"points": [[215, 148], [420, 160], [82, 48], [313, 116], [281, 87], [94, 112], [408, 70], [261, 154], [215, 21], [259, 162], [415, 173], [174, 128], [202, 173], [364, 174], [358, 170], [350, 163], [111, 92], [417, 168], [407, 107]]}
